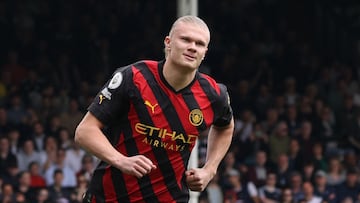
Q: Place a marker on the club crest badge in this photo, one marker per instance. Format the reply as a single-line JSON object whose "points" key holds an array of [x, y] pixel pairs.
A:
{"points": [[196, 117], [116, 81]]}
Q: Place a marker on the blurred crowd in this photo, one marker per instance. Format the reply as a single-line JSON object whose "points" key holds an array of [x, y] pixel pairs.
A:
{"points": [[296, 104]]}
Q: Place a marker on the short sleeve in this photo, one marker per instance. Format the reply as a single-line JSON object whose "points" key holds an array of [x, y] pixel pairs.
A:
{"points": [[225, 114], [112, 101]]}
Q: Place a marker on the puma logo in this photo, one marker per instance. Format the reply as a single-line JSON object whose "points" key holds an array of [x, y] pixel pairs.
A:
{"points": [[147, 103], [101, 98]]}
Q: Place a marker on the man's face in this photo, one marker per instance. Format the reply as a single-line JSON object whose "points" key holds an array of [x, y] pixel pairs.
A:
{"points": [[187, 44]]}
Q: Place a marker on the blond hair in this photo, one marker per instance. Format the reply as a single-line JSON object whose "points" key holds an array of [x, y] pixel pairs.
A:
{"points": [[188, 19]]}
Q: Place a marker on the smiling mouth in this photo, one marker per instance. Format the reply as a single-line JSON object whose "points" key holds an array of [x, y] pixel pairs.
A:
{"points": [[189, 57]]}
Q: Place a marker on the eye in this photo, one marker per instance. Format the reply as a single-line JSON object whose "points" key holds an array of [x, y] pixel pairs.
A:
{"points": [[185, 39], [200, 43]]}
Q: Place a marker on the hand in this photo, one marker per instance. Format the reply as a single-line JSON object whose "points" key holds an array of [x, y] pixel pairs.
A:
{"points": [[197, 179], [138, 165]]}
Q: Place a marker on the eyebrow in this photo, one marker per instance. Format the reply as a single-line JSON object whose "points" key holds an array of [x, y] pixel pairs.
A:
{"points": [[201, 42]]}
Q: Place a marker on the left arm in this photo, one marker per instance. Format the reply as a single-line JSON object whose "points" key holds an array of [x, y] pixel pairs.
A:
{"points": [[219, 140]]}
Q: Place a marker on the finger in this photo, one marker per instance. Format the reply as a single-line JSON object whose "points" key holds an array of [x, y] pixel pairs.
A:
{"points": [[190, 179], [136, 173], [141, 170], [146, 166], [190, 172], [196, 188], [148, 162]]}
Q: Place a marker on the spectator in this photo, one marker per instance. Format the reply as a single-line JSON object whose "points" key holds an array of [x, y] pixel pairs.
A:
{"points": [[54, 126], [65, 140], [244, 126], [42, 196], [271, 121], [48, 154], [286, 196], [87, 166], [283, 171], [259, 140], [309, 196], [238, 191], [6, 156], [242, 133], [8, 194], [326, 131], [290, 94], [279, 141], [305, 109], [24, 186], [312, 92], [214, 191], [306, 140], [296, 182], [14, 138], [350, 161], [11, 174], [74, 156], [308, 172], [72, 116], [16, 113], [292, 120], [319, 160], [322, 189], [269, 193], [346, 117], [38, 135], [229, 162], [80, 189], [263, 101], [56, 188], [27, 154], [350, 188], [296, 159], [257, 173], [336, 173], [36, 179], [20, 197], [68, 179]]}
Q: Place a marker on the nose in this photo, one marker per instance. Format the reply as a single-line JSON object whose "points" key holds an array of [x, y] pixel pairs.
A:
{"points": [[192, 46]]}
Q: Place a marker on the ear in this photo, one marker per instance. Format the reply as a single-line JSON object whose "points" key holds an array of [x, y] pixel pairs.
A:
{"points": [[167, 42], [204, 54]]}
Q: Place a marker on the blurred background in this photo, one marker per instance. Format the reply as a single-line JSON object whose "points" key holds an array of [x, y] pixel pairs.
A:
{"points": [[291, 67]]}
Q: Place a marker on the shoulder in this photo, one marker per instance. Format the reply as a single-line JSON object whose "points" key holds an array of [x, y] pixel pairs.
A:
{"points": [[139, 67], [212, 88], [208, 82]]}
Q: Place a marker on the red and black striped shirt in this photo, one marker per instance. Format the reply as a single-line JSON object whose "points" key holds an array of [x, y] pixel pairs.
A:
{"points": [[144, 115]]}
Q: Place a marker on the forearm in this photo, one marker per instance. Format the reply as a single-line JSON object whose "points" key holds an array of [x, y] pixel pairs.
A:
{"points": [[91, 138], [219, 140]]}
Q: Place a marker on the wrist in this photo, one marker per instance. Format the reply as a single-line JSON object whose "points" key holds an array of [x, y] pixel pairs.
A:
{"points": [[210, 170], [117, 160]]}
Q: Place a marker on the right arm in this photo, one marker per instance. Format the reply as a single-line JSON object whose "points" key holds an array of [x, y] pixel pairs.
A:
{"points": [[89, 135]]}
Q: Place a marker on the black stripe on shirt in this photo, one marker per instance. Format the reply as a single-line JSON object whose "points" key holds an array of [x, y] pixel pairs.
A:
{"points": [[144, 182], [160, 153]]}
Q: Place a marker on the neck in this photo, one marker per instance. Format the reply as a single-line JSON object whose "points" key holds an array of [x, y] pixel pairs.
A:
{"points": [[177, 77]]}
